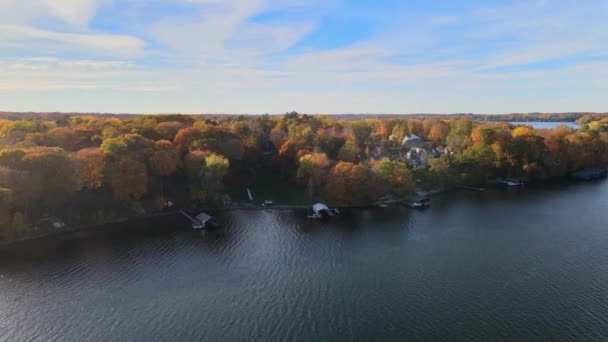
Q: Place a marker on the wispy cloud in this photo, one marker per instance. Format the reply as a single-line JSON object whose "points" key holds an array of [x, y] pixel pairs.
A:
{"points": [[26, 37], [254, 56], [71, 12]]}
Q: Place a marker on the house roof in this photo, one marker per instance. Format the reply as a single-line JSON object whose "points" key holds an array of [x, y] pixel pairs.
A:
{"points": [[202, 217], [417, 150], [410, 138]]}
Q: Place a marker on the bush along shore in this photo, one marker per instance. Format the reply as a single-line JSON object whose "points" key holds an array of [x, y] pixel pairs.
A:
{"points": [[66, 171]]}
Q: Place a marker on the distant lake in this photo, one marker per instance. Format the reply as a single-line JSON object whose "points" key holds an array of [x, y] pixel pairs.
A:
{"points": [[527, 264], [545, 124]]}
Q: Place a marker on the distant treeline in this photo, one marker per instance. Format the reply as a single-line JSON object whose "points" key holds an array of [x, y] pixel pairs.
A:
{"points": [[514, 117]]}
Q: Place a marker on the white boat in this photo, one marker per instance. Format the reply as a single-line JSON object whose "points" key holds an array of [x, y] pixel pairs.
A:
{"points": [[418, 202], [51, 222], [511, 182]]}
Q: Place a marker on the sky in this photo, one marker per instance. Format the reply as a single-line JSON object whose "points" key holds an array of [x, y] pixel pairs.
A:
{"points": [[312, 56]]}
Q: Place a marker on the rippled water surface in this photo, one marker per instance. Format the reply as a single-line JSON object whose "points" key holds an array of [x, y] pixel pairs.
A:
{"points": [[528, 264]]}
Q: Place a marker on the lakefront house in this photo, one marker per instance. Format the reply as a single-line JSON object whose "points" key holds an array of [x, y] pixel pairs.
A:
{"points": [[411, 141]]}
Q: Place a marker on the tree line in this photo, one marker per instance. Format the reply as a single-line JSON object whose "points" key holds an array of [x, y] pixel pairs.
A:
{"points": [[93, 168]]}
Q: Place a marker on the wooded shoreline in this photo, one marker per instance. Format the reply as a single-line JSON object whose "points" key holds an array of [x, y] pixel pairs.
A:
{"points": [[83, 170]]}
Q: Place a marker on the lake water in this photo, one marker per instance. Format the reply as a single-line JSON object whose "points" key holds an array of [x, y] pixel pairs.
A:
{"points": [[549, 125], [520, 265]]}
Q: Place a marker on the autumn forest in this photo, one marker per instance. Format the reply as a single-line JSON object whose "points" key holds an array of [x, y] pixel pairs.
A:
{"points": [[89, 169]]}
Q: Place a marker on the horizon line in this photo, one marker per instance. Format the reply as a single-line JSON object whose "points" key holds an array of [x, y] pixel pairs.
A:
{"points": [[275, 114]]}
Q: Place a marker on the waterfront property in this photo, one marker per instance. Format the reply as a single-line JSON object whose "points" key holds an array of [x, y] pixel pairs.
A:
{"points": [[322, 211], [88, 180], [411, 141], [201, 221]]}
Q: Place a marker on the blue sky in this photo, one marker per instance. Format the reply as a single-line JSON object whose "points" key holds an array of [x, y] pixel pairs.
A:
{"points": [[315, 56]]}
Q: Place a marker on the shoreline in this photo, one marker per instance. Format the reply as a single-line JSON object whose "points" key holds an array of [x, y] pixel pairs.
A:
{"points": [[83, 228], [233, 207], [106, 225]]}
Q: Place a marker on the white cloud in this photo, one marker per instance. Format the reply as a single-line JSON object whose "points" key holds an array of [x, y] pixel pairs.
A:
{"points": [[21, 22], [72, 12], [218, 53], [50, 73], [223, 30], [106, 43], [539, 31]]}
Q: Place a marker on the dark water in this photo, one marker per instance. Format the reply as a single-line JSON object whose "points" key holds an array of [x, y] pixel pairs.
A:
{"points": [[529, 264]]}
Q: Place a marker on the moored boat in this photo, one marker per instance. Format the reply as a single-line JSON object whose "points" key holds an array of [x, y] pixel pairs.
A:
{"points": [[418, 202]]}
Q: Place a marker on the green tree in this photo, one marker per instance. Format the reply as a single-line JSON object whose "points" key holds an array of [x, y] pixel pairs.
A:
{"points": [[206, 172], [395, 176]]}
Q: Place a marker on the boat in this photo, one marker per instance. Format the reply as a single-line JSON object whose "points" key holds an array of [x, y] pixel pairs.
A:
{"points": [[322, 212], [512, 182], [507, 182], [267, 203], [418, 202], [51, 222], [386, 201]]}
